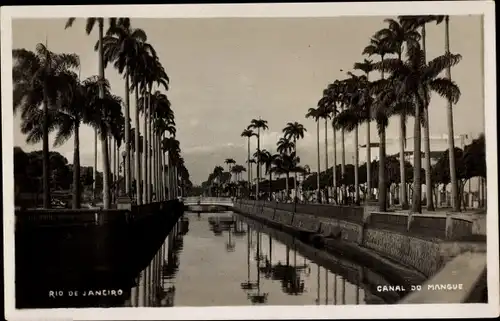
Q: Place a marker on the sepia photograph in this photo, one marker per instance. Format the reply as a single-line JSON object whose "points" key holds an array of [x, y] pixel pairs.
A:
{"points": [[333, 160]]}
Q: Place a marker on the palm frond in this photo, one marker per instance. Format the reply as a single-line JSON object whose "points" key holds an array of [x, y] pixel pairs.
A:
{"points": [[446, 88]]}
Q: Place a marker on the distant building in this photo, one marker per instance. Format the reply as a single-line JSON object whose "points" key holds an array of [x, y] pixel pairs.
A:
{"points": [[438, 144]]}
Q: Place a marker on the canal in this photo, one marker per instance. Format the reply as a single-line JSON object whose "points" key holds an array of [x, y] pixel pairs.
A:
{"points": [[224, 259]]}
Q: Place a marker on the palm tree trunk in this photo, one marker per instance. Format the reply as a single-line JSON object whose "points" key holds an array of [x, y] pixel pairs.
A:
{"points": [[154, 175], [251, 173], [132, 172], [382, 186], [117, 170], [150, 147], [116, 160], [286, 185], [145, 152], [326, 158], [127, 173], [427, 143], [94, 184], [294, 173], [356, 166], [270, 185], [334, 166], [258, 165], [402, 170], [451, 135], [382, 190], [76, 168], [417, 163], [160, 169], [427, 150], [167, 173], [159, 184], [138, 189], [342, 165], [176, 182], [249, 166], [170, 176], [104, 139], [111, 167], [45, 151], [368, 156], [368, 164], [319, 163], [165, 177]]}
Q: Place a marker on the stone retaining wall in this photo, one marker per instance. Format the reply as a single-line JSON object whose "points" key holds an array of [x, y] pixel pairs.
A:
{"points": [[412, 240], [421, 254]]}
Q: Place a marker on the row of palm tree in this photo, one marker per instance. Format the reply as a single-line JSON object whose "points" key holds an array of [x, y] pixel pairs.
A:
{"points": [[404, 90], [47, 79]]}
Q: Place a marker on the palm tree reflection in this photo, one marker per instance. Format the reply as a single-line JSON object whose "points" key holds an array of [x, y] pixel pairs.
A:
{"points": [[239, 229], [170, 266], [258, 297], [292, 283], [230, 244], [318, 293], [184, 226], [248, 285]]}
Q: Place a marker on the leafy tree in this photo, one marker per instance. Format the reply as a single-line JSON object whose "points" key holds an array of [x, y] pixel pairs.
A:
{"points": [[36, 77]]}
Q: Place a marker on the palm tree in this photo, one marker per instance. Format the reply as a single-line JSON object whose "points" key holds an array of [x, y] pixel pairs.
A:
{"points": [[251, 162], [269, 159], [325, 112], [36, 78], [237, 170], [258, 124], [140, 69], [117, 133], [356, 99], [285, 164], [418, 80], [285, 146], [379, 46], [413, 22], [296, 131], [170, 146], [229, 162], [105, 114], [158, 75], [315, 113], [367, 66], [121, 45], [90, 23], [74, 105], [451, 134], [396, 35], [248, 134], [331, 96], [217, 173], [164, 124]]}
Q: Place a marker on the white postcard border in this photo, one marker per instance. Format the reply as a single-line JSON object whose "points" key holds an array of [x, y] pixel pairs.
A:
{"points": [[485, 8]]}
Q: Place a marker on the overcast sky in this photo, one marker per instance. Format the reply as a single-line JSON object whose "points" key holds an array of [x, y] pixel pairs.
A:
{"points": [[226, 71]]}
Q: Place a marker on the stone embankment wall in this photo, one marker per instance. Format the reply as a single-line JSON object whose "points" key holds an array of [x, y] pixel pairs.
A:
{"points": [[418, 241]]}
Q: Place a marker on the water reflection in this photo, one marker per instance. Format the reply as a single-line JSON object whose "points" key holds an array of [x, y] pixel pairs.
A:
{"points": [[155, 285], [266, 266]]}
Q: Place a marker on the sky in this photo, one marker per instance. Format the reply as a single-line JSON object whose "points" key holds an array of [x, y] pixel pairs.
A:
{"points": [[226, 71]]}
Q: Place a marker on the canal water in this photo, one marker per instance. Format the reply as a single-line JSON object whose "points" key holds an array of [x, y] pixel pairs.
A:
{"points": [[224, 259]]}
